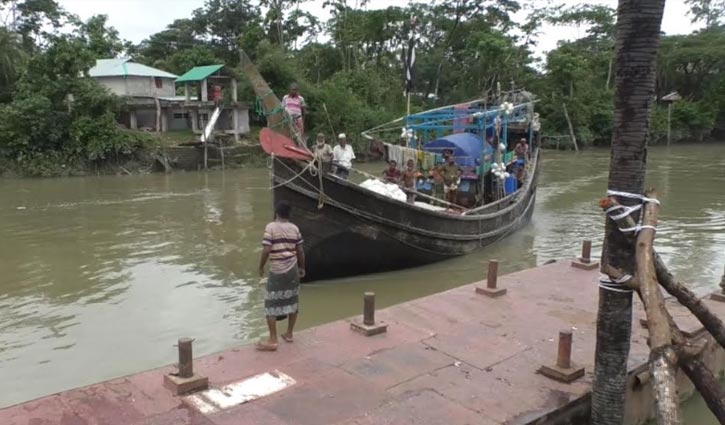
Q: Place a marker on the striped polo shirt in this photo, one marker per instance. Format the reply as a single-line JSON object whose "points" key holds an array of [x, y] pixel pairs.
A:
{"points": [[283, 237], [294, 104]]}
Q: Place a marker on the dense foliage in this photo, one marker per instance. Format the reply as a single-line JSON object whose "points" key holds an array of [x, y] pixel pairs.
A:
{"points": [[352, 66]]}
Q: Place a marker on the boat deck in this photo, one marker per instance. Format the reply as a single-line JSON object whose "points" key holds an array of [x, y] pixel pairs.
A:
{"points": [[450, 358]]}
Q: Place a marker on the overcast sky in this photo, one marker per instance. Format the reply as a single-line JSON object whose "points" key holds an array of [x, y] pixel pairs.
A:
{"points": [[137, 19]]}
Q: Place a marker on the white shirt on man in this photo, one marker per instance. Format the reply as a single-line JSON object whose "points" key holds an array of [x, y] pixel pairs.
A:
{"points": [[343, 156]]}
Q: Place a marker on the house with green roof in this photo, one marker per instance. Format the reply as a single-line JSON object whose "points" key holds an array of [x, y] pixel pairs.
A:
{"points": [[148, 91], [205, 88], [152, 102]]}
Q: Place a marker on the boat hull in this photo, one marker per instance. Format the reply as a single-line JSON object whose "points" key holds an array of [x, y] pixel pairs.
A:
{"points": [[350, 231]]}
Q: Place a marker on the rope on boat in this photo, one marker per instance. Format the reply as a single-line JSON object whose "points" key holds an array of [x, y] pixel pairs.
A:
{"points": [[310, 166]]}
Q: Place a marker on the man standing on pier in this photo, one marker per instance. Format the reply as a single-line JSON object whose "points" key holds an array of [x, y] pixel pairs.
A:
{"points": [[283, 249]]}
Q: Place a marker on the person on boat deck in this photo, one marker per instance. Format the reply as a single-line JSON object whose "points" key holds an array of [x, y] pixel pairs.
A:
{"points": [[520, 171], [342, 157], [437, 175], [283, 249], [392, 174], [295, 106], [323, 152], [451, 178], [522, 149], [408, 180]]}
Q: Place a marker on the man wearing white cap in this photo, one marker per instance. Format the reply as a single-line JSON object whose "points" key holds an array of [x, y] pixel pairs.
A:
{"points": [[342, 157]]}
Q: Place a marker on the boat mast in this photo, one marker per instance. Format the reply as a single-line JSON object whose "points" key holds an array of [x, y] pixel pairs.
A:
{"points": [[277, 117]]}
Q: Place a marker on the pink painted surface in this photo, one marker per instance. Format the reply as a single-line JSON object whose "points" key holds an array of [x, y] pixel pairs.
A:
{"points": [[450, 358]]}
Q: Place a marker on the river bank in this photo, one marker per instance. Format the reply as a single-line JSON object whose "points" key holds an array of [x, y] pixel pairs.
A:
{"points": [[155, 158]]}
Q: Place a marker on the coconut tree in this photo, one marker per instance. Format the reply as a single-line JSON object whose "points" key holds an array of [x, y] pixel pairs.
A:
{"points": [[638, 34]]}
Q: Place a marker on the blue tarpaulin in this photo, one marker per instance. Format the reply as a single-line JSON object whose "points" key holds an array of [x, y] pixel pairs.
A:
{"points": [[467, 148]]}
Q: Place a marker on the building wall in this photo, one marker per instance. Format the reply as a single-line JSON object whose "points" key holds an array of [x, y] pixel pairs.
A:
{"points": [[138, 86], [180, 119]]}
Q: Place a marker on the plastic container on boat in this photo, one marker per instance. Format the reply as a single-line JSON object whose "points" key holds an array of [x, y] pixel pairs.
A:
{"points": [[510, 185]]}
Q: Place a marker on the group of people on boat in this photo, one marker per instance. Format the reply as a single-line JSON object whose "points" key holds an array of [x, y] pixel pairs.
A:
{"points": [[341, 156], [444, 178]]}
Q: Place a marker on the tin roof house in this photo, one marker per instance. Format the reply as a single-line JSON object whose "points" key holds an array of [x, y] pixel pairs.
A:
{"points": [[153, 103]]}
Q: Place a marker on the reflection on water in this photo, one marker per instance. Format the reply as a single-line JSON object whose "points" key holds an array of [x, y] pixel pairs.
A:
{"points": [[101, 275]]}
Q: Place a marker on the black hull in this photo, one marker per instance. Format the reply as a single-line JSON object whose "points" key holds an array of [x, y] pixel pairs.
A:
{"points": [[359, 232]]}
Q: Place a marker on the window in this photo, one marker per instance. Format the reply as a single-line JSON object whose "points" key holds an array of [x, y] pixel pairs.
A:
{"points": [[159, 82], [178, 116]]}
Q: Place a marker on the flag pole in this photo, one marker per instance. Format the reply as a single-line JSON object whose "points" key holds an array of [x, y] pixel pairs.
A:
{"points": [[407, 115], [410, 60]]}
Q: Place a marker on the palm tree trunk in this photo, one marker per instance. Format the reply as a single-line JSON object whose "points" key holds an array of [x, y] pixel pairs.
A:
{"points": [[638, 29]]}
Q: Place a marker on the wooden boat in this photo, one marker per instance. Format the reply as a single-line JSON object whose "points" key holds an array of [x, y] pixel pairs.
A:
{"points": [[350, 230]]}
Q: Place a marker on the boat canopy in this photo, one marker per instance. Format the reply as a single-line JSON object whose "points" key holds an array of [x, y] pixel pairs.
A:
{"points": [[468, 148]]}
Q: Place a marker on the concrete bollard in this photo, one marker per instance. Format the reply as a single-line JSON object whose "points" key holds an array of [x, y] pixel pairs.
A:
{"points": [[564, 370], [586, 252], [563, 357], [491, 290], [585, 261], [367, 326], [369, 309], [492, 276], [186, 358], [185, 381]]}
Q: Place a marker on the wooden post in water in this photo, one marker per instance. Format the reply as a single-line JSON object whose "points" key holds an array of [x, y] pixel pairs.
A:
{"points": [[571, 127], [669, 123]]}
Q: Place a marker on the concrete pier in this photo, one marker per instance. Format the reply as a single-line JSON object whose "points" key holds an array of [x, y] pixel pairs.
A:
{"points": [[451, 358]]}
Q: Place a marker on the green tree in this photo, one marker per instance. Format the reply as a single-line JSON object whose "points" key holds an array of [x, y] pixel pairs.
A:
{"points": [[709, 12], [34, 20], [58, 114], [103, 41], [224, 22]]}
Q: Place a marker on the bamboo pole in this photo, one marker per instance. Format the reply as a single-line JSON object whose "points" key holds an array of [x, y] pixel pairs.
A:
{"points": [[158, 114], [669, 122], [686, 297], [688, 358], [571, 128], [663, 357]]}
